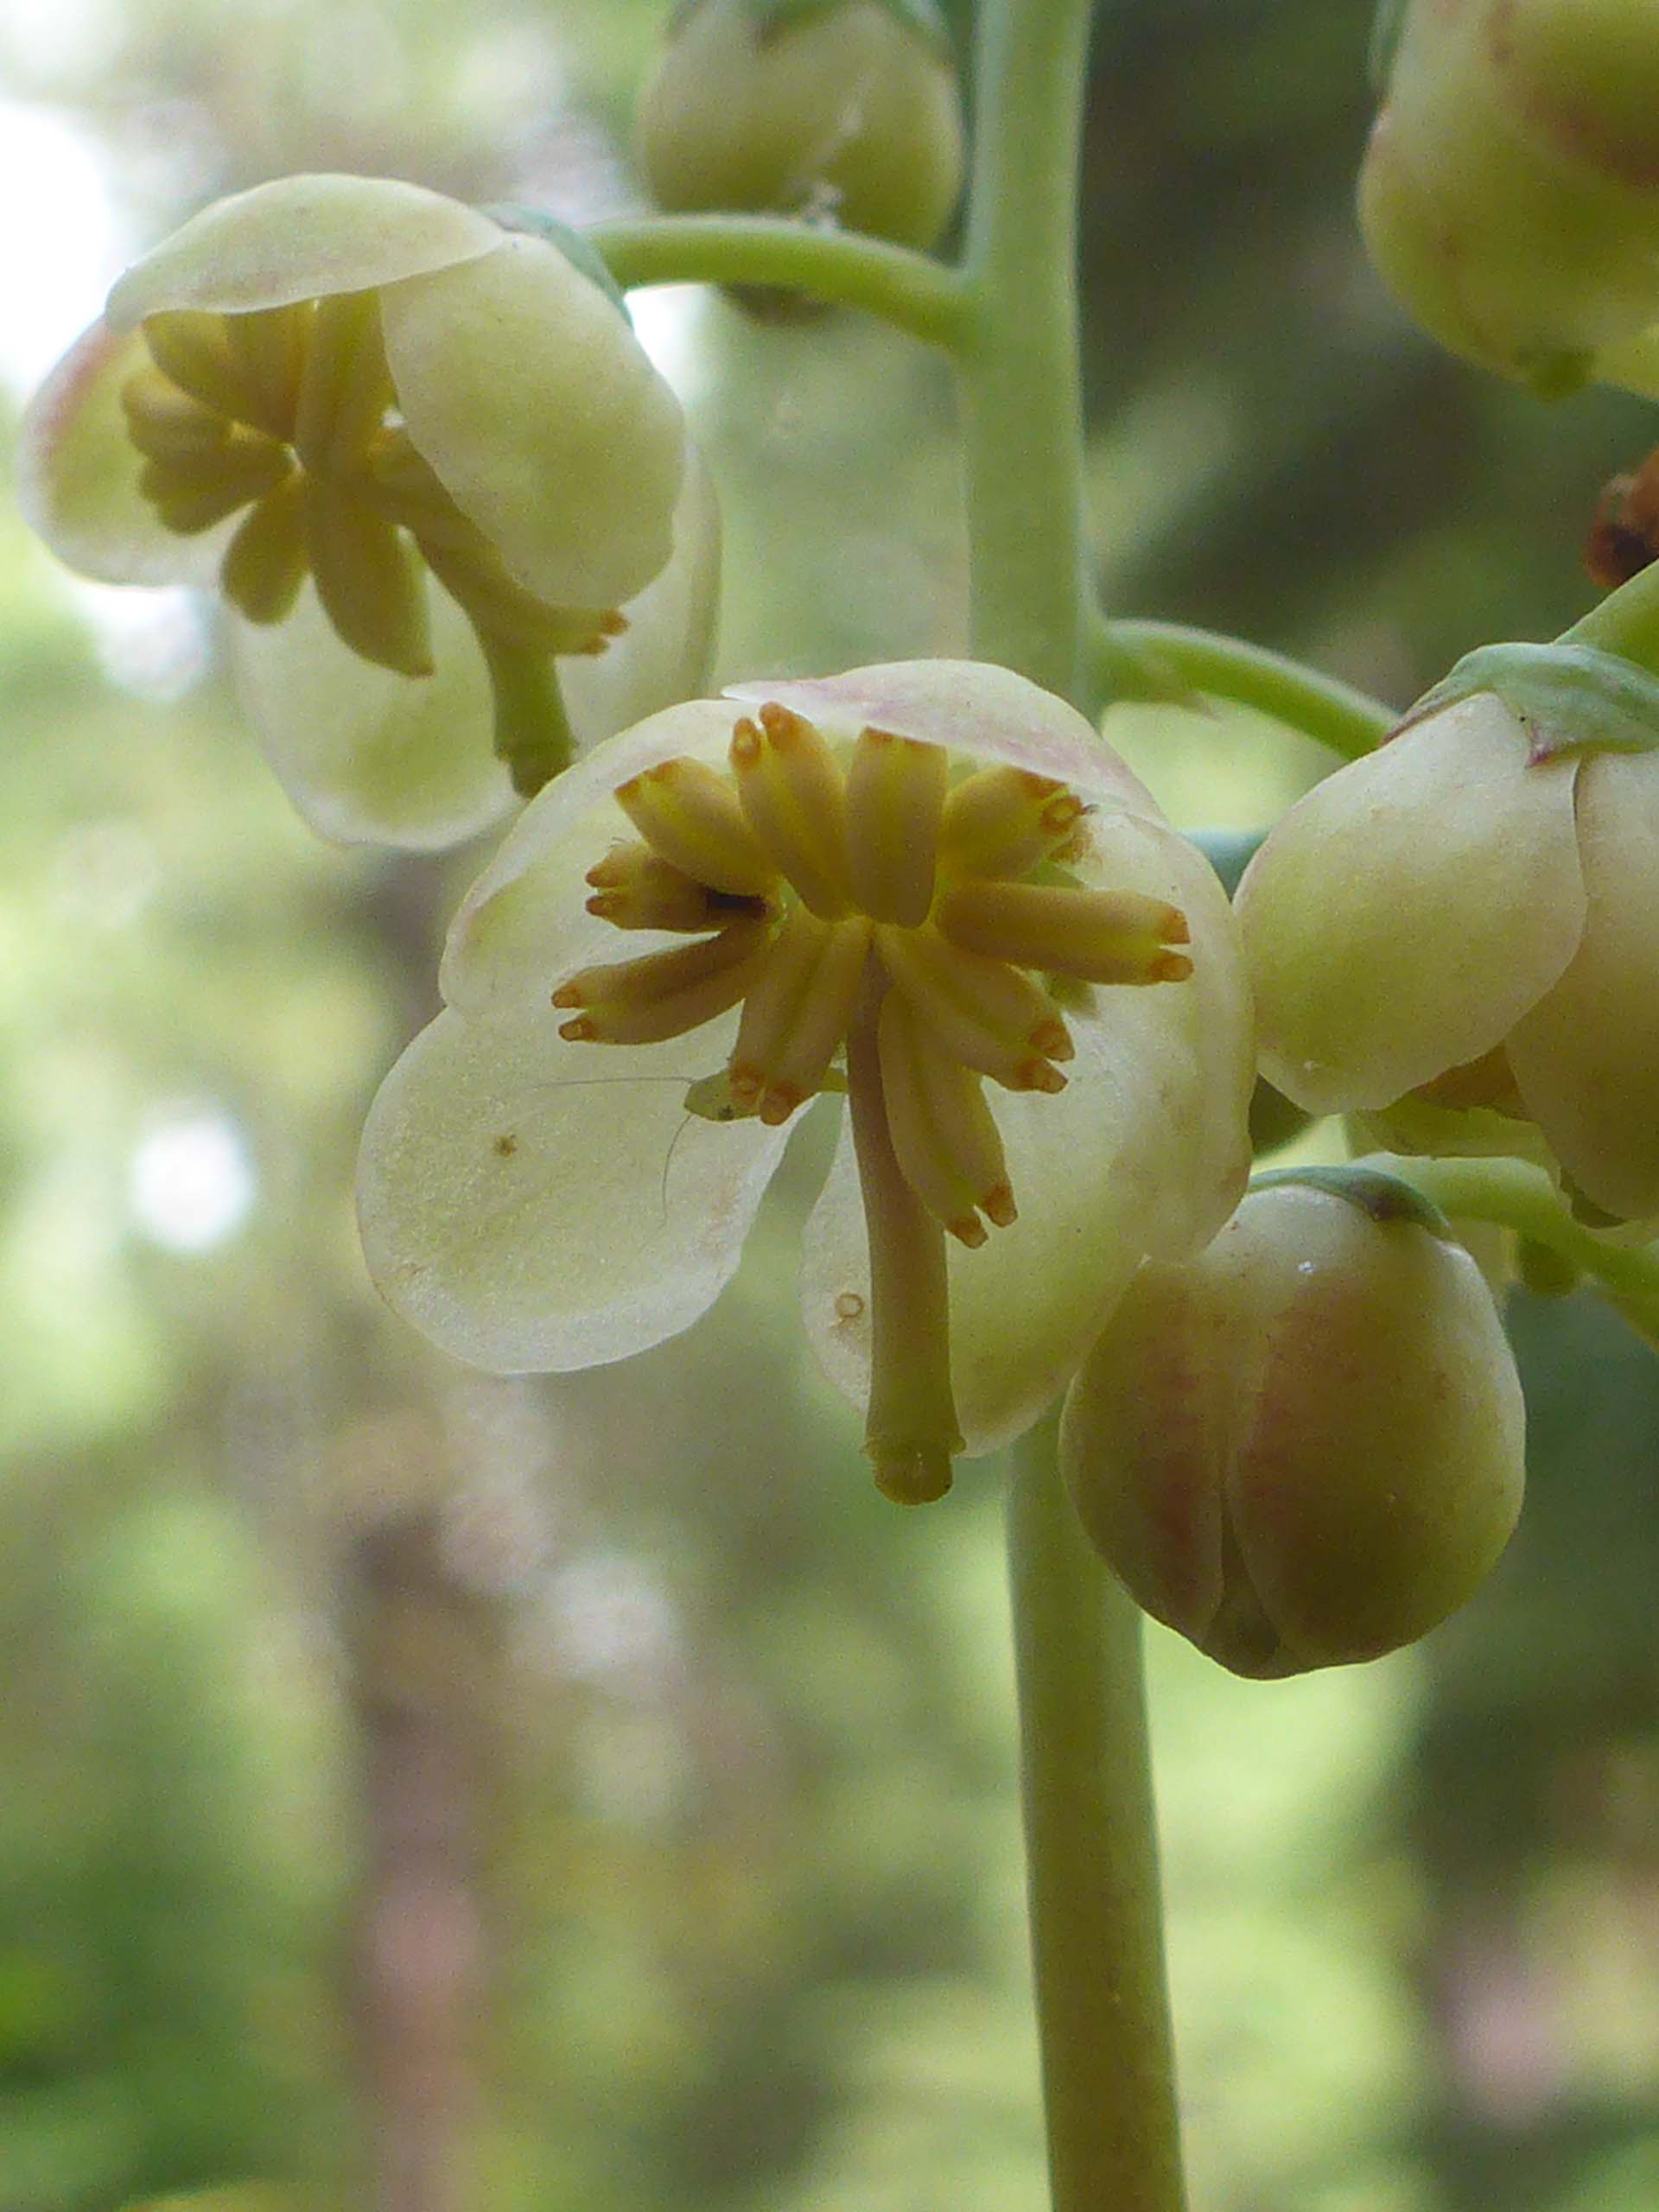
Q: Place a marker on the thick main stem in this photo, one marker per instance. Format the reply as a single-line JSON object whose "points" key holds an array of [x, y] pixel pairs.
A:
{"points": [[1095, 1913]]}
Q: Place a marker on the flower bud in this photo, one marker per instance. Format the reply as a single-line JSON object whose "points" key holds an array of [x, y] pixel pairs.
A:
{"points": [[1509, 196], [1304, 1447], [842, 108]]}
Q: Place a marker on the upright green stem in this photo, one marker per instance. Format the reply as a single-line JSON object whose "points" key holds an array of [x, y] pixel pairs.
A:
{"points": [[1096, 1919], [1022, 412], [1096, 1916]]}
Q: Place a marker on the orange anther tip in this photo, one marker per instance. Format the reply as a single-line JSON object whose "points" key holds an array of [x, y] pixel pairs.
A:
{"points": [[873, 736], [779, 1105], [1175, 930], [1054, 1040], [969, 1230], [999, 1205], [746, 743], [746, 1085], [570, 995], [634, 783], [1170, 967], [580, 1032], [614, 624], [780, 723], [1060, 813], [604, 904], [1038, 1075]]}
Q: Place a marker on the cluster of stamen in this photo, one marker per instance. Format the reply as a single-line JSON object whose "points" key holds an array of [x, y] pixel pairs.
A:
{"points": [[871, 890], [289, 414]]}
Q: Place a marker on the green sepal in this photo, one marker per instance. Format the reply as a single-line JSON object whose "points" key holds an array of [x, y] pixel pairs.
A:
{"points": [[925, 17], [1387, 25], [1382, 1197], [1571, 698], [577, 248]]}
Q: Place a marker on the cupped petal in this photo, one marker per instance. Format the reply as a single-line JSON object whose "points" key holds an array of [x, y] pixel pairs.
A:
{"points": [[368, 756], [524, 388], [975, 708], [664, 655], [524, 925], [302, 238], [1586, 1057], [1145, 1151], [78, 474], [1403, 916], [534, 1206]]}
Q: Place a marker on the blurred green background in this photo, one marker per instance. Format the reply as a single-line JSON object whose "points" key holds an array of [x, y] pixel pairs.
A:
{"points": [[404, 1768]]}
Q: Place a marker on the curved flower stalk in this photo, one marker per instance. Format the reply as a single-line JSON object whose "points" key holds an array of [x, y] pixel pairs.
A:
{"points": [[1458, 933], [928, 886], [423, 458]]}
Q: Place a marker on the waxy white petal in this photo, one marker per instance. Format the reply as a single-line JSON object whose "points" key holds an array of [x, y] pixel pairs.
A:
{"points": [[1587, 1057], [1403, 916], [302, 238], [368, 756], [529, 395], [532, 1205], [78, 474]]}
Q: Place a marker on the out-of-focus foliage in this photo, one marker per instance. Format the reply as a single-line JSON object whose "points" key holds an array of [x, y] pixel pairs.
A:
{"points": [[740, 1815]]}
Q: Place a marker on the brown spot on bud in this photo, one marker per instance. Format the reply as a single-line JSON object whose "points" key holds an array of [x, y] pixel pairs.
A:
{"points": [[1623, 538]]}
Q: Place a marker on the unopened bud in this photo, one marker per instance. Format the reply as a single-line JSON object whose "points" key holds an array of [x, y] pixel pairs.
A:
{"points": [[1305, 1447], [843, 110]]}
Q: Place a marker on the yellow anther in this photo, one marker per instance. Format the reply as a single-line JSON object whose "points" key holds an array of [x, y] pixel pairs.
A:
{"points": [[268, 345], [1005, 822], [943, 1135], [345, 386], [895, 789], [1096, 936], [167, 425], [192, 351], [665, 994], [981, 1011], [690, 815], [368, 580], [797, 1013], [265, 562], [638, 889], [793, 798], [192, 493]]}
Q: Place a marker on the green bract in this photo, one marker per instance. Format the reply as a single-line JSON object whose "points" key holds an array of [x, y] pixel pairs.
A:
{"points": [[1510, 192], [928, 886], [1305, 1446], [845, 111], [331, 393], [1459, 934]]}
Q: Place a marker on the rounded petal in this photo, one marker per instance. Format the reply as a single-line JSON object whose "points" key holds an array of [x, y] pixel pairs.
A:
{"points": [[528, 394], [1587, 1057], [532, 1206], [973, 707], [523, 924], [368, 756], [302, 238], [78, 474], [1146, 1150], [664, 654], [1403, 916]]}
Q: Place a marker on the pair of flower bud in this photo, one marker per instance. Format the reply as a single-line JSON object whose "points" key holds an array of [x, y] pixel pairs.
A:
{"points": [[449, 502], [1509, 195], [1303, 1447], [843, 110]]}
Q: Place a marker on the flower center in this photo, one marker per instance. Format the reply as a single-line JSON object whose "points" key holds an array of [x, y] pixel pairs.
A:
{"points": [[289, 413], [894, 925]]}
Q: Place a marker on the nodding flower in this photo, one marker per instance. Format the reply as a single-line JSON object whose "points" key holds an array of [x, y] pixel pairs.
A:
{"points": [[926, 889]]}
